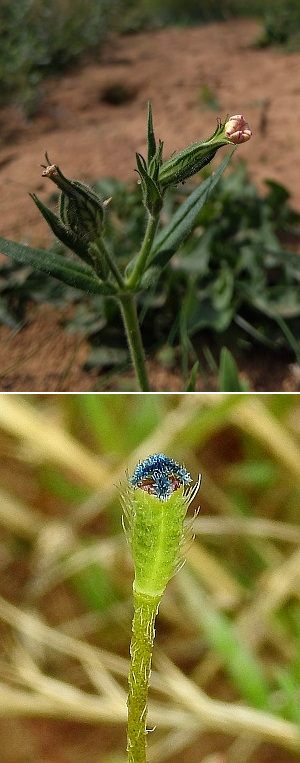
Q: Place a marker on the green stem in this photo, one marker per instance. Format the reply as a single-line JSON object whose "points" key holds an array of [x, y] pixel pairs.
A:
{"points": [[140, 265], [110, 261], [145, 611], [133, 333]]}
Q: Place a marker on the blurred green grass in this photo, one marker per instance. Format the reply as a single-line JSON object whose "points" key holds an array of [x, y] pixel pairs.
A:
{"points": [[229, 620]]}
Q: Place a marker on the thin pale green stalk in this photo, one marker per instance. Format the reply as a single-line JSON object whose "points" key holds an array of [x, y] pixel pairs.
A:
{"points": [[133, 333], [143, 633], [141, 263]]}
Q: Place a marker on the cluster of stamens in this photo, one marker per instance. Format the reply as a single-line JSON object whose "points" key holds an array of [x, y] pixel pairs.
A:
{"points": [[159, 475]]}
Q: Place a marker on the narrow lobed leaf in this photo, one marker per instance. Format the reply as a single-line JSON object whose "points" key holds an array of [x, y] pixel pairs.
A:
{"points": [[151, 136], [169, 239], [74, 274]]}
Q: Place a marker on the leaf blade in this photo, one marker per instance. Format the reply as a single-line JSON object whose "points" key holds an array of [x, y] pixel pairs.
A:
{"points": [[74, 274], [169, 239]]}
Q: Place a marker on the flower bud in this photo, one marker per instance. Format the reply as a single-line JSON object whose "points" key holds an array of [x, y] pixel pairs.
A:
{"points": [[80, 207], [237, 129], [192, 159]]}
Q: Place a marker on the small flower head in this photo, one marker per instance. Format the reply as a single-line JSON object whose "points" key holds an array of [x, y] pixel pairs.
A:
{"points": [[155, 504], [237, 129], [159, 475]]}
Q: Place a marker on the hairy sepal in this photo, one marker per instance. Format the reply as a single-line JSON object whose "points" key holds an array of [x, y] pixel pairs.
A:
{"points": [[156, 533]]}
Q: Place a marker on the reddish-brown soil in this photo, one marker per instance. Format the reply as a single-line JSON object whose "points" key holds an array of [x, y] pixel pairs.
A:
{"points": [[89, 137]]}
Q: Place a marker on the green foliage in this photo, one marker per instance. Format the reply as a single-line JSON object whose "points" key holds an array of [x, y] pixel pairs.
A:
{"points": [[234, 262], [232, 271], [40, 38], [21, 284], [72, 273], [229, 380], [244, 668], [135, 15], [231, 274], [281, 25], [94, 586], [208, 99]]}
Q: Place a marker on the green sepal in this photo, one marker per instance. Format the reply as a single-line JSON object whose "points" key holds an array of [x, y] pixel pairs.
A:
{"points": [[66, 236], [83, 214], [155, 163], [72, 273], [156, 533], [99, 261], [151, 136], [192, 159], [152, 197]]}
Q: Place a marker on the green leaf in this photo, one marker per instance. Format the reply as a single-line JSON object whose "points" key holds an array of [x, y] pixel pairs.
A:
{"points": [[95, 587], [68, 237], [199, 313], [169, 239], [229, 380], [74, 274], [291, 339], [244, 667], [191, 385], [289, 691]]}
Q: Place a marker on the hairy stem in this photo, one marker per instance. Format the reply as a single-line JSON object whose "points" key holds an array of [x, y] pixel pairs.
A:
{"points": [[133, 333], [145, 611], [140, 265], [111, 262]]}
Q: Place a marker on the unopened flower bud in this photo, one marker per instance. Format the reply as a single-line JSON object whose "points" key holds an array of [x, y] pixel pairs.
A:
{"points": [[80, 207], [237, 129], [192, 159]]}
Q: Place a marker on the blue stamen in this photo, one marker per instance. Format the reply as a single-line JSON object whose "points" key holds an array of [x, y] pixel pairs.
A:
{"points": [[160, 476]]}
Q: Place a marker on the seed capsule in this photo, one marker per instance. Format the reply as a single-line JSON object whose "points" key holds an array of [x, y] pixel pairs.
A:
{"points": [[80, 207]]}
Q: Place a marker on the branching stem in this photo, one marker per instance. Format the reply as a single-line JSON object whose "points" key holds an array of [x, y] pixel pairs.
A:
{"points": [[145, 250], [111, 263]]}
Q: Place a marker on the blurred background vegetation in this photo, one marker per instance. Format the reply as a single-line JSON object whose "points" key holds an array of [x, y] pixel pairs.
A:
{"points": [[229, 623], [39, 38]]}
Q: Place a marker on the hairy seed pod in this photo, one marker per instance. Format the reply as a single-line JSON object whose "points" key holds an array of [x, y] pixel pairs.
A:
{"points": [[80, 207]]}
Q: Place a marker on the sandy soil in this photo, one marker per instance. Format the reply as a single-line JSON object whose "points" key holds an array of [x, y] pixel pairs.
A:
{"points": [[89, 137]]}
